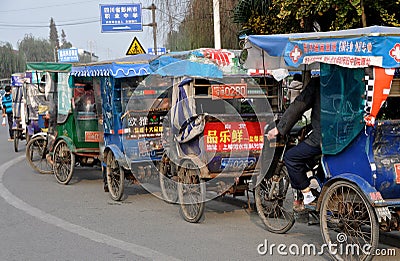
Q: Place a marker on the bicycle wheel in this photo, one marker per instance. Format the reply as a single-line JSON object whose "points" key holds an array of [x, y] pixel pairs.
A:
{"points": [[36, 151], [16, 139], [191, 192], [64, 162], [274, 202], [115, 177], [167, 183], [348, 220]]}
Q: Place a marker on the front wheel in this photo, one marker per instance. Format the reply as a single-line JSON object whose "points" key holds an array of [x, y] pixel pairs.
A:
{"points": [[348, 220], [36, 152], [191, 192], [167, 180], [274, 202], [64, 162], [115, 177]]}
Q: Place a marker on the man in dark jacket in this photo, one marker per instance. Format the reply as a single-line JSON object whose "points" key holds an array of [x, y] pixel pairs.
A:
{"points": [[295, 158], [7, 110]]}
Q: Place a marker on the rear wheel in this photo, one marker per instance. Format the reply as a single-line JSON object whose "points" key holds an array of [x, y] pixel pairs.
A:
{"points": [[348, 220], [36, 151], [167, 180], [115, 177], [64, 162], [191, 192], [274, 201]]}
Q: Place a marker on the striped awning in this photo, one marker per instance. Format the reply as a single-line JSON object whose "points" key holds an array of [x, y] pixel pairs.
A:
{"points": [[115, 70], [136, 65]]}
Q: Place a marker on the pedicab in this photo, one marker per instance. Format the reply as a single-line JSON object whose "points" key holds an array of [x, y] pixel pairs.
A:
{"points": [[73, 136], [360, 181], [214, 130], [18, 107], [125, 131], [37, 105]]}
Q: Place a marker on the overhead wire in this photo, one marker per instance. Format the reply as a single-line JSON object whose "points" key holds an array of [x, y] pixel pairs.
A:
{"points": [[41, 7]]}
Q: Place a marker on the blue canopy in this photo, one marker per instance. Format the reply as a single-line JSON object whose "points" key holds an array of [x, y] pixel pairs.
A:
{"points": [[136, 65], [180, 68], [353, 48], [203, 62]]}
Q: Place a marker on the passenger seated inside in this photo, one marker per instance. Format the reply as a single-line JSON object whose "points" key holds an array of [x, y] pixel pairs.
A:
{"points": [[85, 102]]}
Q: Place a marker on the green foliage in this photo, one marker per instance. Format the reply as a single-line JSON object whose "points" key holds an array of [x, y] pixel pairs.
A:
{"points": [[286, 16], [64, 43], [10, 61], [55, 43], [36, 50]]}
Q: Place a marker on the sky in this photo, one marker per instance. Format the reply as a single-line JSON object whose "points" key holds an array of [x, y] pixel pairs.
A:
{"points": [[80, 21]]}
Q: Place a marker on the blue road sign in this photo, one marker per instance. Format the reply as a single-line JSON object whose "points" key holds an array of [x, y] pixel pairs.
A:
{"points": [[160, 50], [68, 55], [121, 18]]}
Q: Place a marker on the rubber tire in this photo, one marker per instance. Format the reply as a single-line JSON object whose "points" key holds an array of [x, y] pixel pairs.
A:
{"points": [[115, 182], [16, 139], [278, 209], [29, 152], [168, 186], [327, 201], [63, 159], [186, 207]]}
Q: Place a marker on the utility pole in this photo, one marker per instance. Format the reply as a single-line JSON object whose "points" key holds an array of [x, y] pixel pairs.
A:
{"points": [[217, 25], [153, 24]]}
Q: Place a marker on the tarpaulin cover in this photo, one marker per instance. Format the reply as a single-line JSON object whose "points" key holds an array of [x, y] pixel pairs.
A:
{"points": [[342, 106], [354, 48], [49, 67]]}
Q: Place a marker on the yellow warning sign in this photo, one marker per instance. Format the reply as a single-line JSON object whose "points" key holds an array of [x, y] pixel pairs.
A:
{"points": [[135, 48]]}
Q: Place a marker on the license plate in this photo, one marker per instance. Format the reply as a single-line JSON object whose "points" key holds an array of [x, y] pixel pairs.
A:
{"points": [[237, 163]]}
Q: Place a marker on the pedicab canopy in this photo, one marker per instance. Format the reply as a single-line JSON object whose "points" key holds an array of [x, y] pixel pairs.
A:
{"points": [[47, 70], [356, 69]]}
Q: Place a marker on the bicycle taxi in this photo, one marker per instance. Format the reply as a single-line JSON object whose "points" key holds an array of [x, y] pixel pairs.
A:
{"points": [[115, 82], [73, 136], [19, 112], [41, 85], [213, 134], [360, 129]]}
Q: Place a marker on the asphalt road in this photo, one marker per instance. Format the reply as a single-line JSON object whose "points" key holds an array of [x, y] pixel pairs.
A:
{"points": [[43, 220]]}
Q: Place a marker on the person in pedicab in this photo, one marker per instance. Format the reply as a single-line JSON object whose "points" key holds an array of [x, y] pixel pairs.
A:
{"points": [[85, 103], [297, 157]]}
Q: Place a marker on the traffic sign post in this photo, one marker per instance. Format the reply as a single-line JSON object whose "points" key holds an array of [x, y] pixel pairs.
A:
{"points": [[135, 48], [68, 55], [160, 50], [121, 17]]}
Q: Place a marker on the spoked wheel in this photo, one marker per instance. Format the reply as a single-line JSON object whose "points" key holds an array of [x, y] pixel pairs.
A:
{"points": [[115, 177], [348, 220], [17, 134], [274, 202], [64, 162], [191, 192], [167, 182], [36, 151]]}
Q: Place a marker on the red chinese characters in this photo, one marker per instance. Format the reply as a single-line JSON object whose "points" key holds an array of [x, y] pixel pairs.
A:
{"points": [[239, 136]]}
